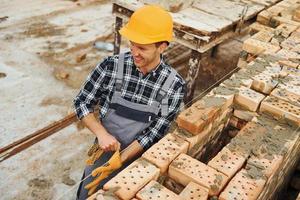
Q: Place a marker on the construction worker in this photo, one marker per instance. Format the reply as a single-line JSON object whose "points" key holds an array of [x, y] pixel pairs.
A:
{"points": [[138, 94]]}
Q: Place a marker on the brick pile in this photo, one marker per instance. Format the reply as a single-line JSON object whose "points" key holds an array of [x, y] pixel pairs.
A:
{"points": [[261, 100]]}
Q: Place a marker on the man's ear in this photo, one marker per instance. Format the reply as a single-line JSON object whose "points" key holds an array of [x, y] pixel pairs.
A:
{"points": [[162, 47]]}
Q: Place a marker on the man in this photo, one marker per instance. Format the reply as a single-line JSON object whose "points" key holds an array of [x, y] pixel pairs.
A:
{"points": [[137, 92]]}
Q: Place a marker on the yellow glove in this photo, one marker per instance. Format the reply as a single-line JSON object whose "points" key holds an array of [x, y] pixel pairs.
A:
{"points": [[94, 154], [93, 185], [104, 171]]}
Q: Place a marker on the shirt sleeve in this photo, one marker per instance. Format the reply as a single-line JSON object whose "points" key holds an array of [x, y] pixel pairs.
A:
{"points": [[160, 125], [90, 92]]}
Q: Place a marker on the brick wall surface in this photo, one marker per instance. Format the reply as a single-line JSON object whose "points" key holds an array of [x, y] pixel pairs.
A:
{"points": [[261, 101]]}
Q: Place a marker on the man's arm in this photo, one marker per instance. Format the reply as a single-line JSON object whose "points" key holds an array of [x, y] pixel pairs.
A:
{"points": [[160, 125], [85, 102]]}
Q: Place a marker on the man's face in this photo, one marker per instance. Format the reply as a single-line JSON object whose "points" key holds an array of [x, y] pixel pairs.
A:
{"points": [[146, 55]]}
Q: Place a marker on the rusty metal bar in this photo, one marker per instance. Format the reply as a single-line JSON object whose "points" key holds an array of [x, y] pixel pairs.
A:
{"points": [[22, 144]]}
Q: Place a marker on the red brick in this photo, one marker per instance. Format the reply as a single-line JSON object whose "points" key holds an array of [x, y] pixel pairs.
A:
{"points": [[244, 114], [156, 191], [286, 29], [165, 151], [132, 178], [291, 71], [264, 83], [227, 162], [285, 95], [185, 169], [268, 163], [194, 140], [200, 114], [264, 36], [242, 187], [281, 109], [194, 191], [248, 98], [256, 27], [294, 89], [246, 139], [257, 47], [103, 195]]}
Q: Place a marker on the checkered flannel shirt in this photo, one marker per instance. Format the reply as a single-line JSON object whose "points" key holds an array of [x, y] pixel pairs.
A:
{"points": [[100, 84]]}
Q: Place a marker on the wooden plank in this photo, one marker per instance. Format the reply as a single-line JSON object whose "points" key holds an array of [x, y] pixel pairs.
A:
{"points": [[231, 10], [199, 22], [267, 3]]}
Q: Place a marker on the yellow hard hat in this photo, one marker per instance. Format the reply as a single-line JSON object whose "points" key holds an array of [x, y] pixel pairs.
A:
{"points": [[149, 24]]}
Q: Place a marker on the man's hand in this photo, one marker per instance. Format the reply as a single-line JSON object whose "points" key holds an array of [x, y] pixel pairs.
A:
{"points": [[108, 142]]}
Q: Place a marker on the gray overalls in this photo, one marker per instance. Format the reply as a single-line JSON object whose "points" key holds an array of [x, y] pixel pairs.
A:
{"points": [[125, 120]]}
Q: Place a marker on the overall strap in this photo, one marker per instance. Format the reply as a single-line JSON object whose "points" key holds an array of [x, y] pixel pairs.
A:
{"points": [[162, 94], [120, 70]]}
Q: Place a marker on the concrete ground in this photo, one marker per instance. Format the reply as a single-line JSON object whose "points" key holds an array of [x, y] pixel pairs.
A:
{"points": [[46, 53]]}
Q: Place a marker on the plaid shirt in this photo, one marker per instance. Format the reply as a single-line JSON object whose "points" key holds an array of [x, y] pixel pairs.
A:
{"points": [[138, 88]]}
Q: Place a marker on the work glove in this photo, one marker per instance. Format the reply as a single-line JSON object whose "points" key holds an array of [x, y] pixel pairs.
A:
{"points": [[104, 171], [94, 154]]}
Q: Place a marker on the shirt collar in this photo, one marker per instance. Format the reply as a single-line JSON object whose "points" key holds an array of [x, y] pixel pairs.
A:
{"points": [[156, 71]]}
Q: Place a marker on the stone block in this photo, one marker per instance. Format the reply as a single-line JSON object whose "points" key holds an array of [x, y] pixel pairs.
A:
{"points": [[249, 99], [185, 169], [227, 162], [155, 191], [281, 109], [165, 151], [194, 191], [242, 186], [133, 178]]}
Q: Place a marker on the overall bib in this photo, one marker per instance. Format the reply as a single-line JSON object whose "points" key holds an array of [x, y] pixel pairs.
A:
{"points": [[125, 120]]}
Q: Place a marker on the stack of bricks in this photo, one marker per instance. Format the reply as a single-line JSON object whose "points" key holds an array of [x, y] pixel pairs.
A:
{"points": [[275, 33], [264, 94]]}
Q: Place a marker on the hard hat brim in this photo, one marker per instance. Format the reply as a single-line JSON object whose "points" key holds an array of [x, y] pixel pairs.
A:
{"points": [[138, 38]]}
